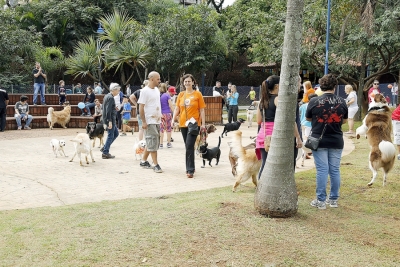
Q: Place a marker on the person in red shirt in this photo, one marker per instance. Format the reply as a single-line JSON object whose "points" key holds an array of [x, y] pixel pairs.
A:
{"points": [[396, 128], [373, 91]]}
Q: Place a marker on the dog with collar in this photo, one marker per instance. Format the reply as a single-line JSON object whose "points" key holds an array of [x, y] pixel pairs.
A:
{"points": [[377, 125], [58, 146], [138, 148], [210, 154], [95, 130], [232, 127]]}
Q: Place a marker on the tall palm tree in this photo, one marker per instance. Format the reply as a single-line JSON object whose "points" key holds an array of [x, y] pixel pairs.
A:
{"points": [[276, 193], [86, 59], [124, 50]]}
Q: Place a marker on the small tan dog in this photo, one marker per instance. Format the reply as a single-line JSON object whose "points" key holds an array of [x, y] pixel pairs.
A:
{"points": [[82, 146], [61, 117], [250, 112], [247, 163]]}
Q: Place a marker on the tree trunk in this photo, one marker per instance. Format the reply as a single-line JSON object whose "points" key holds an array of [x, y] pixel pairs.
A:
{"points": [[362, 97], [276, 193]]}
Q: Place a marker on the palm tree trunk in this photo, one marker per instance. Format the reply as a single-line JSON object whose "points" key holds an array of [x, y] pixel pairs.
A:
{"points": [[276, 193]]}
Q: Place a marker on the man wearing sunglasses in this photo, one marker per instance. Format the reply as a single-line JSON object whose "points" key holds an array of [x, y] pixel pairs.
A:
{"points": [[373, 91]]}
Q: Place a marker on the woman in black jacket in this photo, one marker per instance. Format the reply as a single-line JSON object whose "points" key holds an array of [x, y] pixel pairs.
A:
{"points": [[89, 102]]}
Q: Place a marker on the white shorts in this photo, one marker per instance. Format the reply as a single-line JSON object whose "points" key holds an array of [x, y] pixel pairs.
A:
{"points": [[396, 132], [352, 112]]}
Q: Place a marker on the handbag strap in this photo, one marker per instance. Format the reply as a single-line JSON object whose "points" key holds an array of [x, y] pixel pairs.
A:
{"points": [[323, 131], [184, 103]]}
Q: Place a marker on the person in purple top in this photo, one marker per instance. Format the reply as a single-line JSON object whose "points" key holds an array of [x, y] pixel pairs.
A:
{"points": [[166, 111]]}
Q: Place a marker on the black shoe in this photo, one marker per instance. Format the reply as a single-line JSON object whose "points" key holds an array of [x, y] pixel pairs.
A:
{"points": [[102, 149], [157, 169], [107, 156], [145, 165]]}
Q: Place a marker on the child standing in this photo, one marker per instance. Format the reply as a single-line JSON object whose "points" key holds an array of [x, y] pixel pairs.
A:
{"points": [[97, 111], [61, 92], [126, 115]]}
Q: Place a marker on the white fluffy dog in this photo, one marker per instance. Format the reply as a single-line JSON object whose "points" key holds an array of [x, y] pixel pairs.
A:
{"points": [[138, 148], [58, 146], [82, 146]]}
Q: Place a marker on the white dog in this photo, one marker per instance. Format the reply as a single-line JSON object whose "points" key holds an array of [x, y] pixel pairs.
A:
{"points": [[82, 146], [138, 148], [250, 112], [58, 146]]}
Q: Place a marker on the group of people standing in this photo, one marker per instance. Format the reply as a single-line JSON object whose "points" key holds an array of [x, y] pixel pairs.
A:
{"points": [[326, 113]]}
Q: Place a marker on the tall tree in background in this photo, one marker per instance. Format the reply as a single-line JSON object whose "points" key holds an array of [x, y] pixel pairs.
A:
{"points": [[276, 193]]}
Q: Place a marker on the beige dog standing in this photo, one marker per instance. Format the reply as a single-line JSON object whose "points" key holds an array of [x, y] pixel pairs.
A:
{"points": [[82, 146], [61, 117]]}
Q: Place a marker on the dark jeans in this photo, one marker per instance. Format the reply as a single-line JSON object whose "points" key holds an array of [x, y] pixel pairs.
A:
{"points": [[119, 118], [232, 113], [3, 118], [112, 135], [88, 106], [189, 145]]}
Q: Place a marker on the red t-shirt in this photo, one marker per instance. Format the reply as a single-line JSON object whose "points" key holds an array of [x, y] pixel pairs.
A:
{"points": [[396, 114]]}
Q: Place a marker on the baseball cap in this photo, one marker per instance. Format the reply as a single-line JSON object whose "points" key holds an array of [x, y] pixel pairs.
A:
{"points": [[171, 89]]}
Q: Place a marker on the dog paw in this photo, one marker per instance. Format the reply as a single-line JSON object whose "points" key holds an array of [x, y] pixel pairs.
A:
{"points": [[370, 184], [358, 136]]}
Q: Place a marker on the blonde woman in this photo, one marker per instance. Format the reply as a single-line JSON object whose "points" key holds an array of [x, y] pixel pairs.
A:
{"points": [[352, 105], [233, 104]]}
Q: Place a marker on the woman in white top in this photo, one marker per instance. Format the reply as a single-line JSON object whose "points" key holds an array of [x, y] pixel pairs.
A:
{"points": [[352, 105]]}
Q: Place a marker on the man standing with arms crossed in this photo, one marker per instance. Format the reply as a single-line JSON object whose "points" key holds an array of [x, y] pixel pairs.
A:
{"points": [[109, 119], [39, 77], [150, 113]]}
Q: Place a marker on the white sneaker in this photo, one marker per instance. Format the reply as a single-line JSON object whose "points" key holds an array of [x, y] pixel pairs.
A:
{"points": [[331, 203], [318, 204]]}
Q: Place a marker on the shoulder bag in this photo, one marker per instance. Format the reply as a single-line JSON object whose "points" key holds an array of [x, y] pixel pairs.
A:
{"points": [[193, 128]]}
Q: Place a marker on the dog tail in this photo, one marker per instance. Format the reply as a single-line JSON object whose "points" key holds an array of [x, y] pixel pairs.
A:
{"points": [[219, 143], [50, 110], [236, 144], [388, 150]]}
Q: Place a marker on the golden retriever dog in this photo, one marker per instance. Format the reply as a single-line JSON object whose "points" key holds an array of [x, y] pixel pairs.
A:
{"points": [[233, 157], [82, 146], [377, 125], [61, 117], [210, 129], [247, 163]]}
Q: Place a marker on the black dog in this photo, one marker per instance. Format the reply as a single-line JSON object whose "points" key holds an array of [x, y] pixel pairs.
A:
{"points": [[232, 127], [95, 131], [210, 154]]}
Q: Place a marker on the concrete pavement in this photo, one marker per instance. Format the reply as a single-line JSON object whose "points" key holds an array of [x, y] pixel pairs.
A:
{"points": [[31, 176]]}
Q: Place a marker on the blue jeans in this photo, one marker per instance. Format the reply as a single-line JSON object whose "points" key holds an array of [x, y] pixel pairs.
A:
{"points": [[327, 161], [112, 135], [88, 106], [39, 88], [19, 118], [394, 100]]}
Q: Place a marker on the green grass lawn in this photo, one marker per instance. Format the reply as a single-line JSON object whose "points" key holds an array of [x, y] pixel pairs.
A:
{"points": [[215, 228]]}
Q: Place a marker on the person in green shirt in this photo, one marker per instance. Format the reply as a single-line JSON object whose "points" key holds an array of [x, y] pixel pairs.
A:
{"points": [[252, 95]]}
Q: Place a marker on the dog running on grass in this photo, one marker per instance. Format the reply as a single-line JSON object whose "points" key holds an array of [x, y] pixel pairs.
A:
{"points": [[61, 117], [95, 130], [82, 146], [210, 154], [58, 146], [377, 125], [229, 127]]}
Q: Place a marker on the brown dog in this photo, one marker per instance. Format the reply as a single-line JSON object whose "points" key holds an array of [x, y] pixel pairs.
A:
{"points": [[377, 125], [61, 117], [210, 129], [233, 157], [247, 163]]}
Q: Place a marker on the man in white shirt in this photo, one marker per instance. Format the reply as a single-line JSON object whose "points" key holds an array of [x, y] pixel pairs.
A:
{"points": [[150, 113]]}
